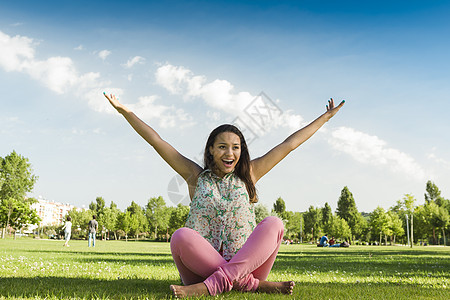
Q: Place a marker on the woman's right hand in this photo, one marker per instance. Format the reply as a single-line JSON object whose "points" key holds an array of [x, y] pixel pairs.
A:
{"points": [[116, 104]]}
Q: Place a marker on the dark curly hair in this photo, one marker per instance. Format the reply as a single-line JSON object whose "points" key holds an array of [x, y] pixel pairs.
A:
{"points": [[242, 169]]}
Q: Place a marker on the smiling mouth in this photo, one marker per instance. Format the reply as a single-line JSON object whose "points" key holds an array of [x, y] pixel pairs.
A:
{"points": [[228, 162]]}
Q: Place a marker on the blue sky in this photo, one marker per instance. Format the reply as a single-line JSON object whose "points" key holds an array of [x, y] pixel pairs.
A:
{"points": [[187, 67]]}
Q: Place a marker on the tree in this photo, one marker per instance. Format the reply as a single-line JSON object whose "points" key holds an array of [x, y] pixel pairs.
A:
{"points": [[80, 220], [157, 214], [178, 217], [98, 206], [20, 214], [380, 223], [437, 218], [327, 215], [98, 209], [339, 228], [432, 192], [124, 223], [109, 219], [422, 225], [360, 227], [346, 208], [442, 221], [137, 220], [93, 206], [403, 208], [312, 220], [279, 207], [395, 225], [295, 220], [406, 204], [16, 180], [261, 212]]}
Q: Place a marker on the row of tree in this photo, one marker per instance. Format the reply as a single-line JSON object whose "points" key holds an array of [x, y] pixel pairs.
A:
{"points": [[431, 220], [157, 220]]}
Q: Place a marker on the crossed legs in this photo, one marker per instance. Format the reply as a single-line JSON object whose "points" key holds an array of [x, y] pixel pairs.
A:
{"points": [[204, 271]]}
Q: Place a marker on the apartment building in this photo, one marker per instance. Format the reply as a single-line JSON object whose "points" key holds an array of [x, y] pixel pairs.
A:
{"points": [[51, 212]]}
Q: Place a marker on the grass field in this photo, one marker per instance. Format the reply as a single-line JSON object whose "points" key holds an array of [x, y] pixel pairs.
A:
{"points": [[43, 269]]}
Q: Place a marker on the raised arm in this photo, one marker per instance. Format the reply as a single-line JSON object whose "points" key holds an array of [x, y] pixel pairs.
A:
{"points": [[187, 169], [260, 166]]}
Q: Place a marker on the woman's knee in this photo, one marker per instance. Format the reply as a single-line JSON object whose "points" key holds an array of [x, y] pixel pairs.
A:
{"points": [[181, 235], [274, 223]]}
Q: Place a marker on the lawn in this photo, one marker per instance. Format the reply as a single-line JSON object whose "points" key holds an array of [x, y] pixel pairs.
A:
{"points": [[43, 269]]}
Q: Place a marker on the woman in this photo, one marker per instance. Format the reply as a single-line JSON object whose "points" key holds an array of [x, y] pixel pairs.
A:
{"points": [[220, 248], [67, 231]]}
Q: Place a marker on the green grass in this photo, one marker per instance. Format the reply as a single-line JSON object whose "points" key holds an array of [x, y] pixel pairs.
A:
{"points": [[43, 269]]}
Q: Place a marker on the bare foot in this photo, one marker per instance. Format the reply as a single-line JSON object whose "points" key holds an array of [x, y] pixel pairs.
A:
{"points": [[284, 287], [181, 291]]}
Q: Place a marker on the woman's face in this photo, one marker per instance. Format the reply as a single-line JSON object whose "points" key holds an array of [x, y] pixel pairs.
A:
{"points": [[226, 152]]}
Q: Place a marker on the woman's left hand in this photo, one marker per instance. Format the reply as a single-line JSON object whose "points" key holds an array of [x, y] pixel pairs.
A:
{"points": [[331, 109]]}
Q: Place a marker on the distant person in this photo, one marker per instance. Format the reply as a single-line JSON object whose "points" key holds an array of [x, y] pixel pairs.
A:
{"points": [[67, 231], [324, 241], [332, 241], [345, 244], [93, 227]]}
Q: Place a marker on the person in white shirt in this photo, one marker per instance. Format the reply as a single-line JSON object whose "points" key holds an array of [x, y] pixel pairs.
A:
{"points": [[67, 231]]}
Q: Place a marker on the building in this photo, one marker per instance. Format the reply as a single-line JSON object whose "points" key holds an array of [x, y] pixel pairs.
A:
{"points": [[50, 212]]}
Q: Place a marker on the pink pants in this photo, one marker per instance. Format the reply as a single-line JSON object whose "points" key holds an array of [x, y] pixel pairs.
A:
{"points": [[197, 261]]}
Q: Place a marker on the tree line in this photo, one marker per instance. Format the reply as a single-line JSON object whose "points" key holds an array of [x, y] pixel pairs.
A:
{"points": [[427, 223], [156, 220]]}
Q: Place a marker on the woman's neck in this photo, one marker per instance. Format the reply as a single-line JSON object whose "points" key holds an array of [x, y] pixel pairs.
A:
{"points": [[220, 173]]}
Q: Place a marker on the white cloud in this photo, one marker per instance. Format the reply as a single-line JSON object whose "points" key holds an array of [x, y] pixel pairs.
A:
{"points": [[60, 75], [79, 48], [104, 54], [371, 150], [146, 108], [174, 78], [57, 73], [220, 94], [17, 54], [133, 61], [14, 51], [168, 116]]}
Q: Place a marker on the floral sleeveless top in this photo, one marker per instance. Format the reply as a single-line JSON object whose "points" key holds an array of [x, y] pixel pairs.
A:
{"points": [[221, 212]]}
